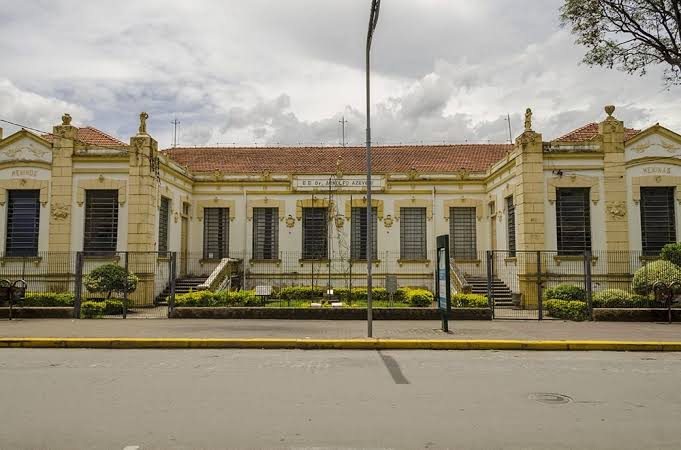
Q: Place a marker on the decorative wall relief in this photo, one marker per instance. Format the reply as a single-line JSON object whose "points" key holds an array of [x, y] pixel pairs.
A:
{"points": [[388, 221], [290, 221], [59, 211], [616, 210]]}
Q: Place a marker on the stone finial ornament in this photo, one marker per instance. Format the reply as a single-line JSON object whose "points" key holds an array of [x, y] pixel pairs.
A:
{"points": [[528, 119], [609, 109], [143, 123], [66, 119]]}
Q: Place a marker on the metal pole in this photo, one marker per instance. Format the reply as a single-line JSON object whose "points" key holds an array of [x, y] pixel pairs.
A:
{"points": [[125, 293], [539, 287], [373, 18], [79, 285], [587, 282]]}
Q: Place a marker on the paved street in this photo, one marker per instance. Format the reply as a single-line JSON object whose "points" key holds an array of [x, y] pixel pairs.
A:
{"points": [[342, 329], [156, 399]]}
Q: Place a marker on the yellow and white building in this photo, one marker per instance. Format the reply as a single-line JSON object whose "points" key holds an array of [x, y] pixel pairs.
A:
{"points": [[291, 214]]}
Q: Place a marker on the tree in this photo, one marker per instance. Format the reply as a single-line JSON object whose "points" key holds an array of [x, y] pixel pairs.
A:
{"points": [[628, 34], [110, 278]]}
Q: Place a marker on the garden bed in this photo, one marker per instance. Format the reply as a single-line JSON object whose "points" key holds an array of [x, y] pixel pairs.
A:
{"points": [[326, 313]]}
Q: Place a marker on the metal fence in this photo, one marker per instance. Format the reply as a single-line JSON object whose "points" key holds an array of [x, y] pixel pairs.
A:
{"points": [[518, 283]]}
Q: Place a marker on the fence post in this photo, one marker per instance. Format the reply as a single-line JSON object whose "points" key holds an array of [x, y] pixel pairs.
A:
{"points": [[125, 294], [79, 285], [173, 269], [540, 306], [587, 283], [490, 275]]}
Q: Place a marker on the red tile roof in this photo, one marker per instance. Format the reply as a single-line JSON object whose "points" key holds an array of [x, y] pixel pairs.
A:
{"points": [[93, 136], [589, 132], [311, 160]]}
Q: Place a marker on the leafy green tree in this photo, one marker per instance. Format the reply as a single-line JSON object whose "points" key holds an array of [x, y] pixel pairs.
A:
{"points": [[110, 278], [628, 34]]}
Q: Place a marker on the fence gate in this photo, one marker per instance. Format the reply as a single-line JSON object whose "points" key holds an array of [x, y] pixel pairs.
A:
{"points": [[517, 281], [152, 273]]}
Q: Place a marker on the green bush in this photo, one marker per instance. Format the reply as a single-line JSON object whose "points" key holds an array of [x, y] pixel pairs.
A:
{"points": [[565, 292], [567, 309], [618, 298], [360, 294], [300, 293], [48, 299], [112, 307], [110, 278], [657, 271], [419, 297], [92, 310], [222, 298], [672, 253], [469, 301]]}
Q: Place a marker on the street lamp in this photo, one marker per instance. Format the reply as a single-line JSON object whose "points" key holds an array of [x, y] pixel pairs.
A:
{"points": [[373, 20]]}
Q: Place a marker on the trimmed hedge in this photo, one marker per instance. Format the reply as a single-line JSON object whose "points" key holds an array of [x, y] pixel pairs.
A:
{"points": [[419, 297], [47, 299], [213, 299], [567, 309], [408, 296], [661, 270], [565, 292], [618, 298], [92, 310], [469, 301]]}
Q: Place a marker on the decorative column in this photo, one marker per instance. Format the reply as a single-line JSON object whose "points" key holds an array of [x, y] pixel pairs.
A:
{"points": [[611, 132], [143, 183], [529, 209], [61, 259]]}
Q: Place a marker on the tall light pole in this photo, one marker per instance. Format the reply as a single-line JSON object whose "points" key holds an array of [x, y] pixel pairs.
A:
{"points": [[373, 20]]}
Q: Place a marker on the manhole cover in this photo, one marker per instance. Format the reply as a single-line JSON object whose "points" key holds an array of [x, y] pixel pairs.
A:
{"points": [[550, 398]]}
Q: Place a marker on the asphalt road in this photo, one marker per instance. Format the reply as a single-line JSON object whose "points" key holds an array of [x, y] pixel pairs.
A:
{"points": [[166, 399]]}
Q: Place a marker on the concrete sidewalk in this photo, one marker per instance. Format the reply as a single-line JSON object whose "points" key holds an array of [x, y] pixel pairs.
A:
{"points": [[550, 330]]}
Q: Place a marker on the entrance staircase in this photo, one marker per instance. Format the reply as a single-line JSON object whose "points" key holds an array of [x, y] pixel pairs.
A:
{"points": [[502, 294], [182, 286]]}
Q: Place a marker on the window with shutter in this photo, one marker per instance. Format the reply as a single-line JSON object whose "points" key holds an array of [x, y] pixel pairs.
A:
{"points": [[413, 233], [101, 222], [23, 223], [658, 224], [358, 238], [462, 234], [315, 238], [265, 233], [510, 224], [163, 224], [573, 221], [215, 233]]}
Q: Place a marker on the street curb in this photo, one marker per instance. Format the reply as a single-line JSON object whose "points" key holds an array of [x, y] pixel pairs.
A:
{"points": [[337, 344]]}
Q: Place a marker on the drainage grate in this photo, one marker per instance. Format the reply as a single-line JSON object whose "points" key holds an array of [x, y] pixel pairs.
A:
{"points": [[550, 398]]}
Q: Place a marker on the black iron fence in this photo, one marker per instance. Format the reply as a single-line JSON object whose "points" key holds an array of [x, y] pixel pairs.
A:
{"points": [[519, 284]]}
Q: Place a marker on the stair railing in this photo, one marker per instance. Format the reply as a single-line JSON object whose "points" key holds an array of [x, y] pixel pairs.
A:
{"points": [[220, 278], [458, 280]]}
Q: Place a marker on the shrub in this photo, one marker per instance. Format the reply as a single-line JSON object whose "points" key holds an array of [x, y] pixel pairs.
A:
{"points": [[469, 301], [112, 307], [300, 293], [110, 278], [618, 298], [657, 271], [92, 310], [567, 309], [419, 297], [196, 298], [360, 294], [565, 292], [48, 299], [672, 253]]}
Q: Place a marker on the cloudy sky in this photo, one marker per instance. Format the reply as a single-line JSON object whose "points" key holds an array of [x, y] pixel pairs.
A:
{"points": [[269, 71]]}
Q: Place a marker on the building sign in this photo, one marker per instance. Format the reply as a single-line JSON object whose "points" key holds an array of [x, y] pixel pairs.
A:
{"points": [[657, 170], [347, 183], [25, 173]]}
